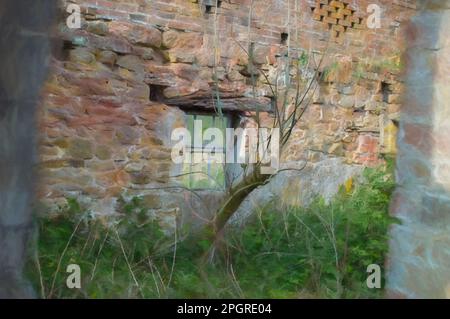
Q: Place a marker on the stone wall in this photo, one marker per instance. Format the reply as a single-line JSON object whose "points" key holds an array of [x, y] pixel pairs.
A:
{"points": [[420, 254], [121, 82]]}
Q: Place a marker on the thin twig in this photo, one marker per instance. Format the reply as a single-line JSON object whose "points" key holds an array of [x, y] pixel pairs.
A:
{"points": [[41, 279], [154, 278], [98, 255], [62, 256], [174, 257], [236, 283], [128, 263]]}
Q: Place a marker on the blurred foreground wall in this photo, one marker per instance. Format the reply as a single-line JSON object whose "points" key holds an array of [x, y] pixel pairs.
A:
{"points": [[420, 248], [24, 52]]}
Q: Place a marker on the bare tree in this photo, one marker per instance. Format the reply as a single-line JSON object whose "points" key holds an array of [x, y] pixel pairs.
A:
{"points": [[291, 88], [24, 49], [290, 101]]}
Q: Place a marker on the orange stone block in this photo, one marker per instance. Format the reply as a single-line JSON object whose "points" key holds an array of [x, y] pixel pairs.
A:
{"points": [[339, 28], [317, 17], [337, 4], [321, 12], [337, 15], [345, 23], [329, 8], [345, 12], [330, 20]]}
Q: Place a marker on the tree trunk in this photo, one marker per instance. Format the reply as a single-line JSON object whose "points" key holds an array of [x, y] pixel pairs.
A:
{"points": [[24, 51], [238, 194]]}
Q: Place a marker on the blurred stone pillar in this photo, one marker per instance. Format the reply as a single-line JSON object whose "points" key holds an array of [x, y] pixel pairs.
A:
{"points": [[419, 261], [24, 51]]}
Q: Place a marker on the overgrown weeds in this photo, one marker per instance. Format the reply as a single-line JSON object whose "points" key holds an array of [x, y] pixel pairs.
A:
{"points": [[321, 251]]}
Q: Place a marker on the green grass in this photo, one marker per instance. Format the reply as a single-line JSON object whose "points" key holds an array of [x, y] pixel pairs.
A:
{"points": [[322, 251]]}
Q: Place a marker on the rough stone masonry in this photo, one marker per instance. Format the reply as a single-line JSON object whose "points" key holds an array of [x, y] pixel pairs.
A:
{"points": [[135, 68]]}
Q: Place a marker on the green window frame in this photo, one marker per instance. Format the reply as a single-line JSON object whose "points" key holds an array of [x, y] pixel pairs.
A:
{"points": [[205, 175]]}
